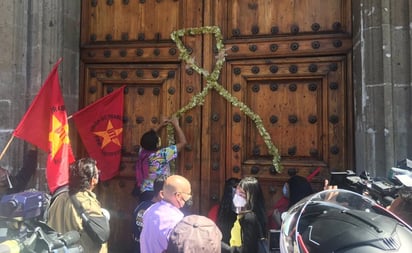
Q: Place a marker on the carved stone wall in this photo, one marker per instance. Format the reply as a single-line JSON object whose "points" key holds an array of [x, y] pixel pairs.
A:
{"points": [[35, 34], [382, 83]]}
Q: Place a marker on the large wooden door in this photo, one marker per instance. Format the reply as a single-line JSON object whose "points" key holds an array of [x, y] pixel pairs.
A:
{"points": [[289, 61]]}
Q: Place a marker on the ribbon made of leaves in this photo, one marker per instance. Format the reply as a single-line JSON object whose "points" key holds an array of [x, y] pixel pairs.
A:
{"points": [[212, 83]]}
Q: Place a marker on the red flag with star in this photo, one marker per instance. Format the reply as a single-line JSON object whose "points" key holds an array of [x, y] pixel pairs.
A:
{"points": [[100, 126], [45, 126]]}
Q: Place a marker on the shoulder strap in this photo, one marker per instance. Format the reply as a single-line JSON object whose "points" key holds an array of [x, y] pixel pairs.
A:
{"points": [[77, 205], [79, 208], [61, 189]]}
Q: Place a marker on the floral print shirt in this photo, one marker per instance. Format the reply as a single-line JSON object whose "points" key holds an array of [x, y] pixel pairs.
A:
{"points": [[159, 165]]}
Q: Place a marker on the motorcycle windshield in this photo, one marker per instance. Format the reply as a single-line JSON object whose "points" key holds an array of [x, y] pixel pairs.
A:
{"points": [[318, 203]]}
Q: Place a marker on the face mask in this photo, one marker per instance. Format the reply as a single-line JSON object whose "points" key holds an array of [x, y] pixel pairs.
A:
{"points": [[188, 203], [239, 201]]}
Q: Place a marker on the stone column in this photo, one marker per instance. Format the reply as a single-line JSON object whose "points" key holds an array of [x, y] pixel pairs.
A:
{"points": [[13, 82], [35, 34], [382, 83]]}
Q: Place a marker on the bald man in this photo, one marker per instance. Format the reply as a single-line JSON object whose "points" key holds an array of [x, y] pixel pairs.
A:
{"points": [[160, 219]]}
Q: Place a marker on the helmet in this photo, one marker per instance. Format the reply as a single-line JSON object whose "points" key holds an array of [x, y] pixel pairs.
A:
{"points": [[342, 221]]}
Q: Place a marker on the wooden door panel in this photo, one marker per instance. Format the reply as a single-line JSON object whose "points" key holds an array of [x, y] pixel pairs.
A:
{"points": [[131, 20], [302, 106], [135, 21], [278, 107], [266, 17]]}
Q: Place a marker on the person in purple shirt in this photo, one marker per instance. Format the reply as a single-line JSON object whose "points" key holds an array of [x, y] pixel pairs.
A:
{"points": [[160, 219], [141, 209]]}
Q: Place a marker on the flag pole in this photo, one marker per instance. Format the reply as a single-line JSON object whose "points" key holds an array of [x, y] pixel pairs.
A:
{"points": [[6, 147]]}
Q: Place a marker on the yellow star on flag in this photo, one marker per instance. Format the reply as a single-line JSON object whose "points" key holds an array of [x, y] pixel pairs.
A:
{"points": [[58, 135], [110, 134]]}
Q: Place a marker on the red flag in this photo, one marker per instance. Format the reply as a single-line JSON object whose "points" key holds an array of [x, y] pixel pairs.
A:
{"points": [[45, 126], [100, 126]]}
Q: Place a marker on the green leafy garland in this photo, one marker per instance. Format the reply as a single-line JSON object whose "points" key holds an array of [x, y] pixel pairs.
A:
{"points": [[212, 83]]}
